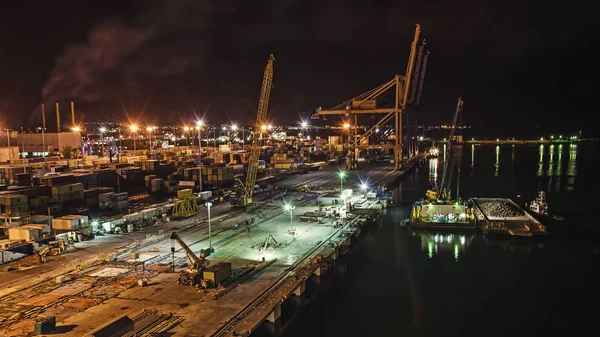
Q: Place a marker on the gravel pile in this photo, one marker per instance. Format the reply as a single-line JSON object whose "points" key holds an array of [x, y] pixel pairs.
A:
{"points": [[500, 209]]}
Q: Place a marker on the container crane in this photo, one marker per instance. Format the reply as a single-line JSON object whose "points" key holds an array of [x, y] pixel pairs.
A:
{"points": [[261, 118]]}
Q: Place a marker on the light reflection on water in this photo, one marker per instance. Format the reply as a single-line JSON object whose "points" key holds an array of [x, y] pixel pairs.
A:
{"points": [[497, 160], [433, 169], [442, 244]]}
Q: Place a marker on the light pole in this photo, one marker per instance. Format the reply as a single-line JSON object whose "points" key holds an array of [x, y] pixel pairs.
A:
{"points": [[234, 129], [8, 143], [199, 125], [342, 175], [149, 129], [78, 130], [102, 131], [134, 130], [208, 206], [291, 209], [364, 187], [186, 129]]}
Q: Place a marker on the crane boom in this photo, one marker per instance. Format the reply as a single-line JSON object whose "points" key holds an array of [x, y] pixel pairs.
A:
{"points": [[446, 174], [190, 254], [261, 118]]}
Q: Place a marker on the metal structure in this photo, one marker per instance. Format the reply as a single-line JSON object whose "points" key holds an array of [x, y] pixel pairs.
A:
{"points": [[185, 208], [367, 104], [261, 118], [444, 187], [193, 276]]}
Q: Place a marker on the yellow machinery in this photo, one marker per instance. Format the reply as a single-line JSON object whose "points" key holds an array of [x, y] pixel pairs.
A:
{"points": [[193, 275], [241, 200], [186, 207], [53, 248], [261, 122]]}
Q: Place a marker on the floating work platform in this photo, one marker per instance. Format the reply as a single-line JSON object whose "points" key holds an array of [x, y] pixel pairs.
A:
{"points": [[502, 216], [451, 215]]}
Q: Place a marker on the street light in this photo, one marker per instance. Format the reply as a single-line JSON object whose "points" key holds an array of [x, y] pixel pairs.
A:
{"points": [[291, 209], [199, 125], [133, 129], [234, 127], [342, 175], [304, 124], [208, 206], [186, 129], [102, 131], [364, 187], [149, 129]]}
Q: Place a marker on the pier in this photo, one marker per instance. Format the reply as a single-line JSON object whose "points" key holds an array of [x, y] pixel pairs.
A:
{"points": [[130, 283]]}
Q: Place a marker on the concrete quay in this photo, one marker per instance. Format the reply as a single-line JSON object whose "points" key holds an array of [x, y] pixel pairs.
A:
{"points": [[102, 292]]}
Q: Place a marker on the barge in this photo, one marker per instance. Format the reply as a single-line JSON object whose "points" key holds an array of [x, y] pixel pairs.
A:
{"points": [[450, 215], [503, 217]]}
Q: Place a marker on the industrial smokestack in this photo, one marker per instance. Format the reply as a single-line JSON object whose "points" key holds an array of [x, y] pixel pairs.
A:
{"points": [[43, 117], [73, 113], [57, 117]]}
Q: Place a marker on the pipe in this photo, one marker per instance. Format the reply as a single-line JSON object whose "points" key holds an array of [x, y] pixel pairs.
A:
{"points": [[73, 113], [57, 117]]}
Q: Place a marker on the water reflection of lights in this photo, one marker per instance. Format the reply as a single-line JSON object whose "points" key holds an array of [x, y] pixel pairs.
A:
{"points": [[433, 170], [550, 170], [558, 171], [444, 152], [497, 160], [434, 244], [540, 171], [473, 155], [572, 167]]}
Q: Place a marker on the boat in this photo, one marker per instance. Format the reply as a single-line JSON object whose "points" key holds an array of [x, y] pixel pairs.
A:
{"points": [[538, 208]]}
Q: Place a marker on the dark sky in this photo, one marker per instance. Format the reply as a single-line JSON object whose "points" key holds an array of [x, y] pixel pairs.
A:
{"points": [[517, 64]]}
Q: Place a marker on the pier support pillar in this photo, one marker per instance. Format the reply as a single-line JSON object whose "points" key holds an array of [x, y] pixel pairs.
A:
{"points": [[275, 314], [300, 290]]}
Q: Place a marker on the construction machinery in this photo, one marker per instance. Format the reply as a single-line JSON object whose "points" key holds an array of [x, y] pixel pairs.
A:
{"points": [[443, 190], [185, 207], [261, 125], [53, 248], [193, 275]]}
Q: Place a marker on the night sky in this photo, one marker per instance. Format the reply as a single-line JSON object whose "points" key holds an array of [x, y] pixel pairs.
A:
{"points": [[518, 65]]}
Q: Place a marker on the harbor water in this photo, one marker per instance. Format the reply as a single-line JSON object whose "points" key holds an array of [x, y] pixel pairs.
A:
{"points": [[403, 283]]}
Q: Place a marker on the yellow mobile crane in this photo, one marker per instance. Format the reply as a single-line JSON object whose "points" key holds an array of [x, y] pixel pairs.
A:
{"points": [[261, 119], [193, 275]]}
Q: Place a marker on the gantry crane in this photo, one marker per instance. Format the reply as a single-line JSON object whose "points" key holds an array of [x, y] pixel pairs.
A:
{"points": [[367, 104], [261, 119]]}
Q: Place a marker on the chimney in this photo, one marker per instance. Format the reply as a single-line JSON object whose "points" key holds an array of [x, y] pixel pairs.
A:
{"points": [[43, 117], [57, 118], [73, 113]]}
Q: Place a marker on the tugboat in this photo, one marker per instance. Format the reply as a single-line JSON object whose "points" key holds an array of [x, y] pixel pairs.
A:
{"points": [[538, 208]]}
